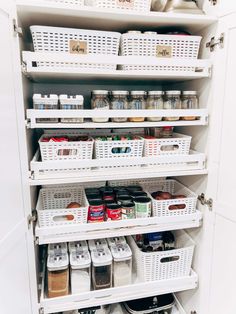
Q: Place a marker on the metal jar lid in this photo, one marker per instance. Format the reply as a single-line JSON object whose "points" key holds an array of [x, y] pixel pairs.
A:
{"points": [[138, 93], [134, 32], [173, 92], [100, 92], [120, 92], [150, 33], [155, 93], [190, 92]]}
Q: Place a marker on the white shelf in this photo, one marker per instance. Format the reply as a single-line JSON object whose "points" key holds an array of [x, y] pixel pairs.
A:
{"points": [[50, 172], [33, 115], [89, 231], [116, 295], [56, 14], [62, 74]]}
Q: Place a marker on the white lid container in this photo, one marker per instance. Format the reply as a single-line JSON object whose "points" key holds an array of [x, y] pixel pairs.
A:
{"points": [[45, 99], [57, 248], [78, 246], [80, 260], [116, 240], [56, 262], [99, 243], [121, 252], [101, 257], [76, 99]]}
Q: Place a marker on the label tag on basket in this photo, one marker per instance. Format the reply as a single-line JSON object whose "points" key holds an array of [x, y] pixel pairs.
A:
{"points": [[125, 3], [164, 51], [78, 47]]}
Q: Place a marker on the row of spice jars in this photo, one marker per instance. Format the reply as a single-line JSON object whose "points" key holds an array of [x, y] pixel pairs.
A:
{"points": [[116, 203], [136, 100], [104, 262]]}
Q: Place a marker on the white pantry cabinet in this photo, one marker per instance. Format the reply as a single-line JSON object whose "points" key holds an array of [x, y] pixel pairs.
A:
{"points": [[213, 138]]}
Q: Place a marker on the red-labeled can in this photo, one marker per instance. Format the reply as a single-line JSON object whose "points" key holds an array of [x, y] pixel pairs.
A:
{"points": [[113, 212], [96, 211]]}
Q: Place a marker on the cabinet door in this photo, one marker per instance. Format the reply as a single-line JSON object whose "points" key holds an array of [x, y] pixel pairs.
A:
{"points": [[219, 7], [14, 273]]}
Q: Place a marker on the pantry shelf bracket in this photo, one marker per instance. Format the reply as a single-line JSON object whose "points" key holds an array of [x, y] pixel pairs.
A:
{"points": [[204, 201]]}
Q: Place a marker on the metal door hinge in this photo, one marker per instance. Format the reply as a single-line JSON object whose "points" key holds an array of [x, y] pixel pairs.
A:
{"points": [[17, 30], [213, 2], [204, 201], [32, 218], [216, 42], [193, 312]]}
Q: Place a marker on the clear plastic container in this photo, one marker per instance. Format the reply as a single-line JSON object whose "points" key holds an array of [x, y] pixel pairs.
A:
{"points": [[100, 101], [116, 240], [155, 102], [97, 244], [57, 248], [119, 102], [172, 101], [122, 264], [80, 262], [58, 274], [71, 103], [189, 101], [101, 268], [78, 246], [137, 102], [45, 102]]}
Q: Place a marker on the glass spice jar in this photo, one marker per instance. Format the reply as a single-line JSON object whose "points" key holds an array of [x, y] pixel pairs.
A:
{"points": [[137, 102], [100, 101], [155, 102], [172, 101], [189, 101], [119, 102]]}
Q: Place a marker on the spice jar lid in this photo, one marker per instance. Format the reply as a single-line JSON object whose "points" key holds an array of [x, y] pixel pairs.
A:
{"points": [[99, 243], [80, 246], [155, 92], [80, 260], [100, 92], [150, 33], [40, 96], [119, 92], [134, 32], [173, 92], [101, 257], [57, 262], [191, 92], [137, 92], [57, 248], [77, 98], [121, 252], [116, 240]]}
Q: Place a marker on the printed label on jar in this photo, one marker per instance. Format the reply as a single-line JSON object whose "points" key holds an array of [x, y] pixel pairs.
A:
{"points": [[113, 214], [128, 213], [164, 51], [143, 210], [78, 47], [129, 4]]}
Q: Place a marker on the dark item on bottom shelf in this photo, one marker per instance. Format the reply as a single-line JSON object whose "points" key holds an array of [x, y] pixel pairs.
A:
{"points": [[169, 240], [150, 305], [95, 310]]}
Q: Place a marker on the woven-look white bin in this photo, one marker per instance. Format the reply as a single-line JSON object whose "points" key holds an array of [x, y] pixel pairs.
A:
{"points": [[52, 203], [161, 208], [74, 150], [130, 5], [107, 149], [178, 144], [69, 40], [162, 46], [152, 266], [74, 2]]}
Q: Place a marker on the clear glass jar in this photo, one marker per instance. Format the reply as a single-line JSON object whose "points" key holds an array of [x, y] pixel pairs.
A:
{"points": [[137, 102], [100, 101], [155, 102], [189, 101], [172, 101], [119, 102]]}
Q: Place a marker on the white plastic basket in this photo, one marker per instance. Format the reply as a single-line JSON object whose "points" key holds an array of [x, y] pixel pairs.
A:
{"points": [[52, 203], [74, 150], [166, 264], [107, 149], [74, 2], [71, 103], [130, 5], [179, 144], [162, 46], [45, 102], [161, 208], [69, 40]]}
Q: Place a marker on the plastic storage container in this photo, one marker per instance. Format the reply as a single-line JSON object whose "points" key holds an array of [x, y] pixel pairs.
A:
{"points": [[155, 102], [137, 102], [127, 5], [119, 102], [101, 268], [58, 274], [100, 101], [57, 247], [80, 262], [97, 244], [45, 102], [71, 103], [75, 41], [122, 264], [78, 246], [116, 240]]}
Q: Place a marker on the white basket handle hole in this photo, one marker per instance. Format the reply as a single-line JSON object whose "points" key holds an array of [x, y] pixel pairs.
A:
{"points": [[177, 207], [67, 152], [170, 259], [68, 217], [169, 148], [121, 150]]}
